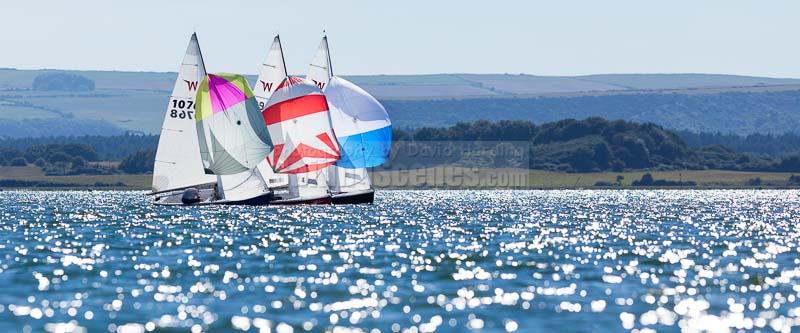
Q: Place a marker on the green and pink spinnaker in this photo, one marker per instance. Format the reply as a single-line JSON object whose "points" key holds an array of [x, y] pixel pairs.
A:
{"points": [[231, 131]]}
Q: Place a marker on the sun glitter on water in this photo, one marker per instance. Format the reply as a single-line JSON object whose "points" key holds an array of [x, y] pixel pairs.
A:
{"points": [[416, 261]]}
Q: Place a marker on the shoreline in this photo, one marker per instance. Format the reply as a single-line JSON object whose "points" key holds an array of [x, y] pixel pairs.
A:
{"points": [[446, 178], [649, 188]]}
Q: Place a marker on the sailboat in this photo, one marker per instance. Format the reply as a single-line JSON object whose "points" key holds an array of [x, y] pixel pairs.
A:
{"points": [[211, 141], [362, 128], [296, 114]]}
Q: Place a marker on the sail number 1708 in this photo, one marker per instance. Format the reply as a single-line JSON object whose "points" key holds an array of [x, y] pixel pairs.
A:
{"points": [[182, 109]]}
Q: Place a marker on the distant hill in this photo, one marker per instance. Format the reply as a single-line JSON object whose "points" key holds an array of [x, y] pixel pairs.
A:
{"points": [[683, 81], [767, 112], [135, 101], [440, 86]]}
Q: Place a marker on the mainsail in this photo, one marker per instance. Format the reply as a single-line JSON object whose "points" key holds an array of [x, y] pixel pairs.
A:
{"points": [[273, 72], [232, 135], [321, 69], [178, 164], [362, 125]]}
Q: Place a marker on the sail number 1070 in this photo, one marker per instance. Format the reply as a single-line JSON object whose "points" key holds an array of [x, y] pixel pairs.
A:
{"points": [[182, 109]]}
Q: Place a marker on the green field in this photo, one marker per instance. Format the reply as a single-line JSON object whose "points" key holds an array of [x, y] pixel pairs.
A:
{"points": [[22, 79], [35, 174], [537, 179], [15, 112], [135, 101], [454, 178], [133, 110]]}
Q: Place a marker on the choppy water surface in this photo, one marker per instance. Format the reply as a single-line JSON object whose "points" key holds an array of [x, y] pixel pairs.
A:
{"points": [[416, 261]]}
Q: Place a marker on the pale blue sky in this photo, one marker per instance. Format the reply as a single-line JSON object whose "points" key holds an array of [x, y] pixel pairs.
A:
{"points": [[411, 36]]}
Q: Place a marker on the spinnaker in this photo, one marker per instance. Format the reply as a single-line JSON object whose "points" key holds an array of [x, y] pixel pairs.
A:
{"points": [[232, 135]]}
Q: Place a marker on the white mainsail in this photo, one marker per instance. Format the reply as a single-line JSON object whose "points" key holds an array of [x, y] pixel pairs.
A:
{"points": [[296, 137], [178, 164], [320, 71], [273, 72]]}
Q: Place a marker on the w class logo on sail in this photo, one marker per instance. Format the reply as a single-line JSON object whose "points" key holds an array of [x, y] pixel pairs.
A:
{"points": [[266, 86], [192, 85], [297, 115], [320, 85]]}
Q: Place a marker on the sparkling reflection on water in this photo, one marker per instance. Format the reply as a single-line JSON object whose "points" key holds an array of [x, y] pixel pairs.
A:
{"points": [[416, 261]]}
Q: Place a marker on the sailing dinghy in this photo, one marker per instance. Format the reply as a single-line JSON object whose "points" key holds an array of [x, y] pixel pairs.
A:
{"points": [[362, 127], [296, 115], [206, 152]]}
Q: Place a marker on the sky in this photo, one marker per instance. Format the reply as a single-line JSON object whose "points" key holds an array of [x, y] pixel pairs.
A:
{"points": [[564, 37]]}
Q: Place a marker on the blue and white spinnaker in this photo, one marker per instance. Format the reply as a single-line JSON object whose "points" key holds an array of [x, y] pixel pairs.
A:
{"points": [[361, 125]]}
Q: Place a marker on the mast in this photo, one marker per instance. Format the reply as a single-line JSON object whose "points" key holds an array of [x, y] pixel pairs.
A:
{"points": [[283, 59]]}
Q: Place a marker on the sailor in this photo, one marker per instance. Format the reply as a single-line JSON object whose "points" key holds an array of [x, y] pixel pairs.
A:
{"points": [[190, 196], [216, 193]]}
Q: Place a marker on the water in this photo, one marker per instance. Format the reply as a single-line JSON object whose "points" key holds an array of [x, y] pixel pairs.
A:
{"points": [[416, 261]]}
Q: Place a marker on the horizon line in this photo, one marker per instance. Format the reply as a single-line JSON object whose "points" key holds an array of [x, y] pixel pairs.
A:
{"points": [[431, 74]]}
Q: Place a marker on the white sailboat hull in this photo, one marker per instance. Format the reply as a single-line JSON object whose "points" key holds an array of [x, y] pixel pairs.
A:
{"points": [[320, 199]]}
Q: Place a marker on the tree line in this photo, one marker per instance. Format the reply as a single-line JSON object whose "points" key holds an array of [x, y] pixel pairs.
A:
{"points": [[592, 144], [107, 147], [56, 159], [597, 144], [767, 144], [62, 81]]}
